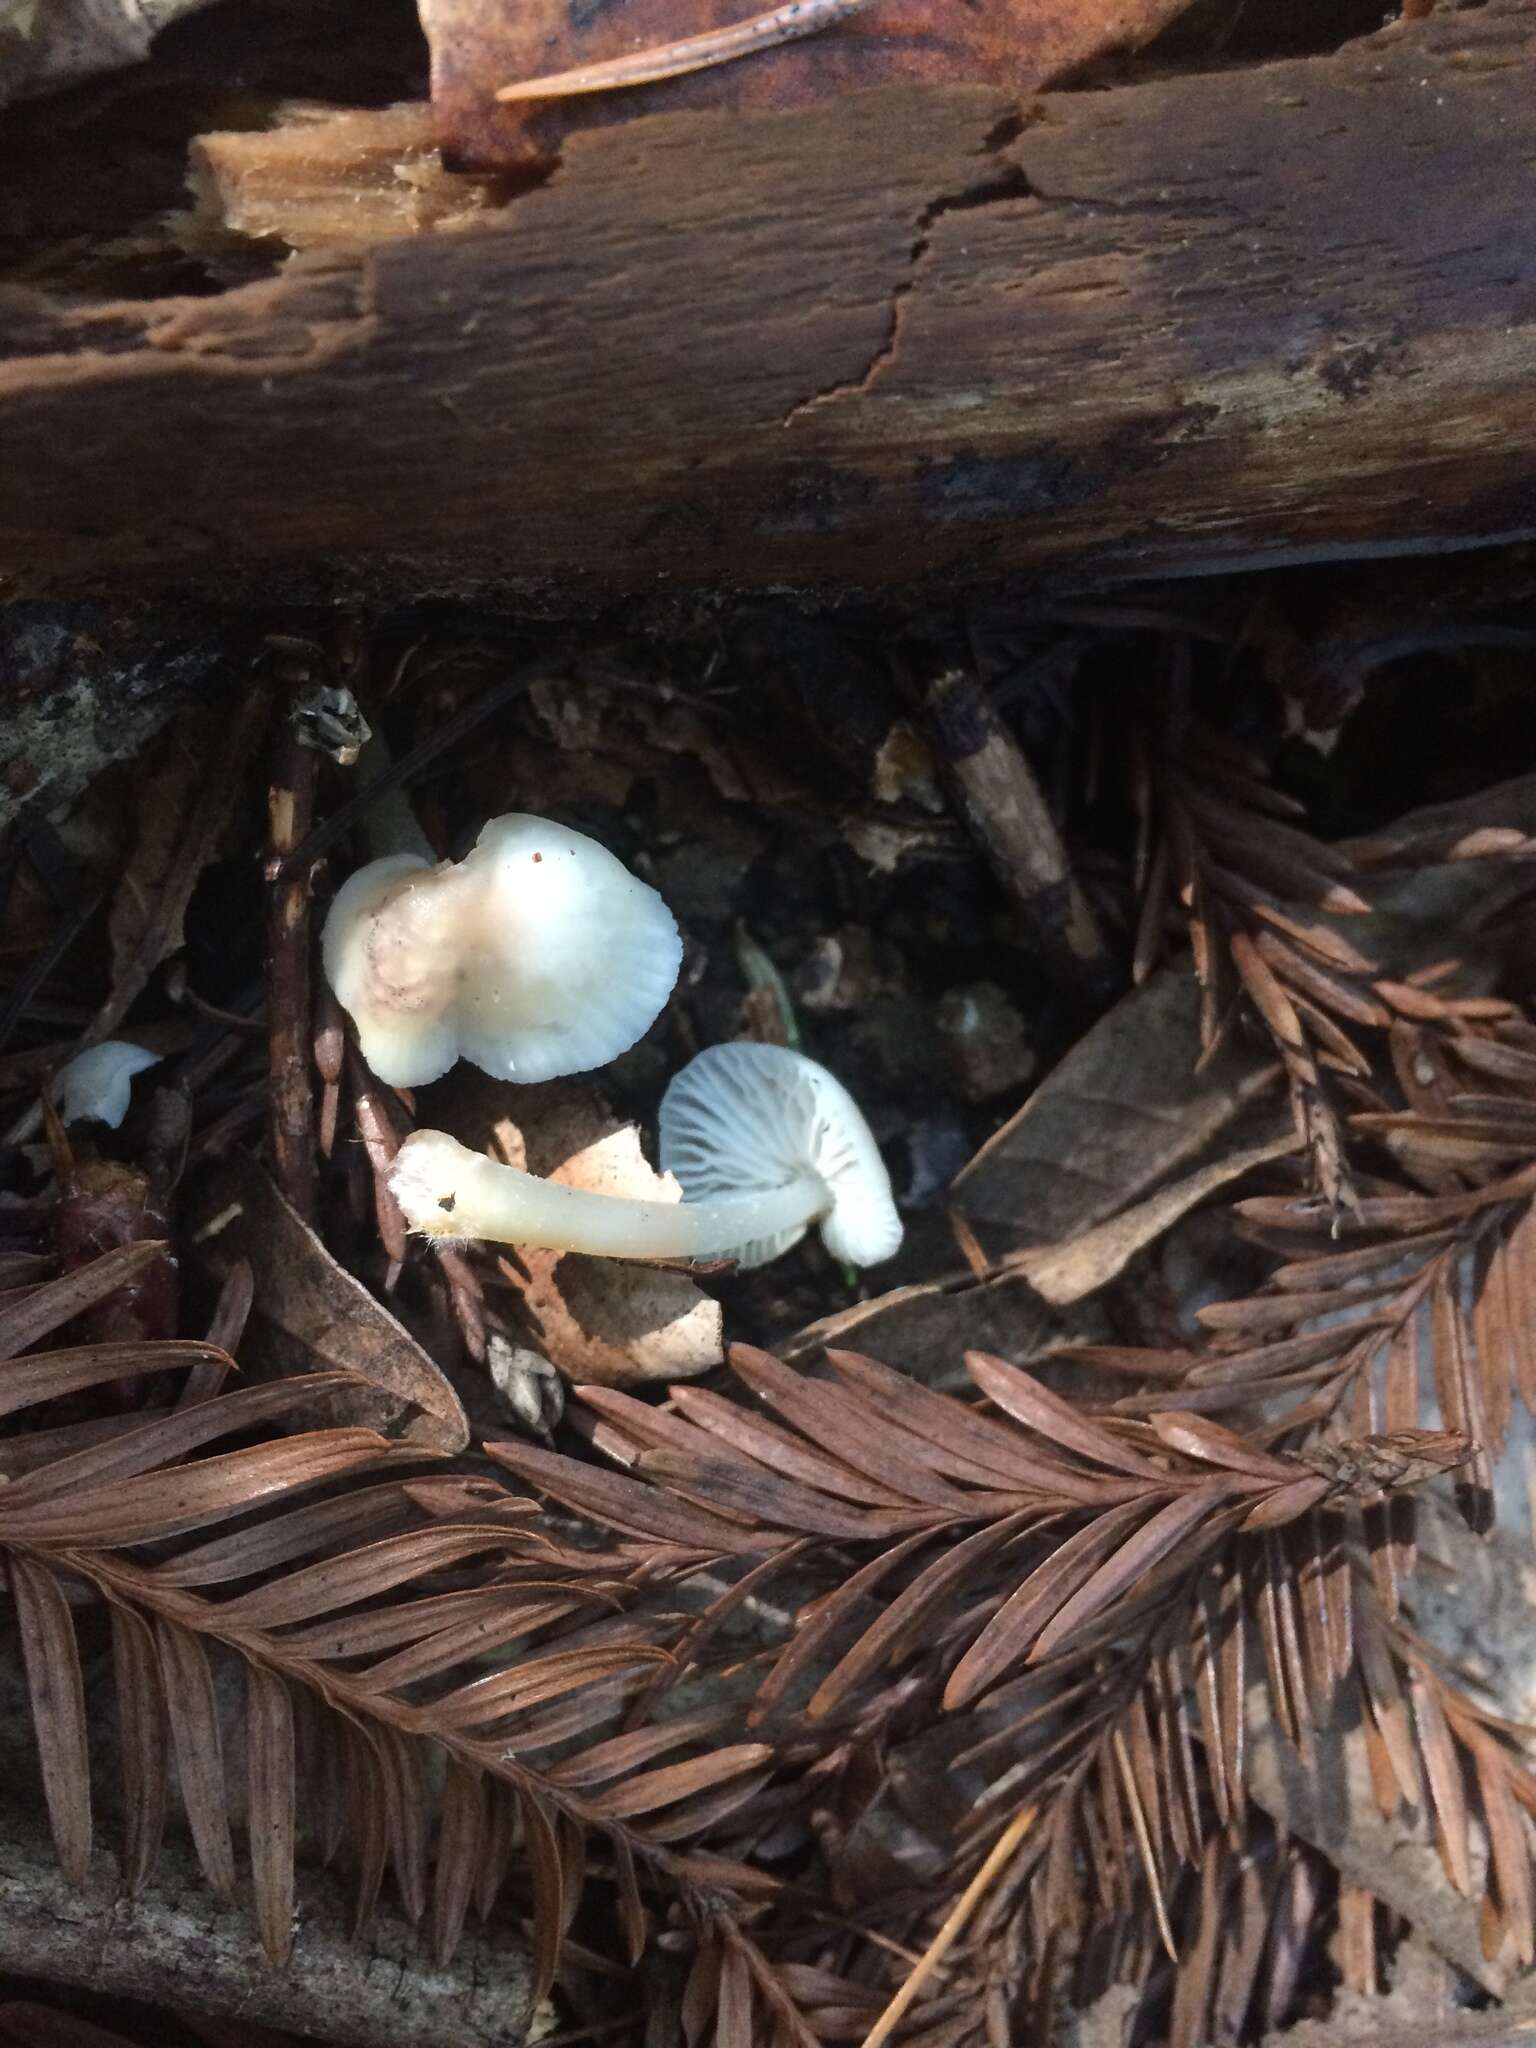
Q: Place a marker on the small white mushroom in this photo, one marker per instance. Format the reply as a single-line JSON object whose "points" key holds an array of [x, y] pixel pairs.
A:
{"points": [[763, 1141], [95, 1086], [539, 954], [744, 1119]]}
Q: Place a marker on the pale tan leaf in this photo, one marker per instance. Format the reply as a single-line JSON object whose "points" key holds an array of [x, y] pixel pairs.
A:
{"points": [[602, 1322]]}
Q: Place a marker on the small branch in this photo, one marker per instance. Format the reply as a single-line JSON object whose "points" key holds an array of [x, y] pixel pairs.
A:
{"points": [[381, 1141], [995, 791], [290, 1004], [174, 1944]]}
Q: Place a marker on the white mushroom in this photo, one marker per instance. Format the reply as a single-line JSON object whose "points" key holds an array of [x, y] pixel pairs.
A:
{"points": [[763, 1141], [539, 954], [94, 1087]]}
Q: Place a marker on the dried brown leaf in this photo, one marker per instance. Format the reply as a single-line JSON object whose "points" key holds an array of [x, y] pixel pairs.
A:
{"points": [[1174, 1525], [1509, 1845], [56, 1694], [818, 1629], [833, 1416], [142, 1757], [1442, 1770], [755, 1438], [310, 1314], [772, 1502], [31, 1314], [1123, 1113], [194, 1719], [547, 1878], [460, 1841], [625, 1504], [1213, 1443], [1055, 1419], [649, 1790], [270, 1816], [1012, 1632], [147, 1508], [963, 1442]]}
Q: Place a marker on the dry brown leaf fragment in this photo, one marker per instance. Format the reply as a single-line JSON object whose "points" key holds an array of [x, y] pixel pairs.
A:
{"points": [[309, 1313], [1066, 1273], [599, 1321], [1122, 1113], [480, 47]]}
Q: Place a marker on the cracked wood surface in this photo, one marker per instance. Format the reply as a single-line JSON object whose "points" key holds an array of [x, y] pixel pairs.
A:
{"points": [[911, 338]]}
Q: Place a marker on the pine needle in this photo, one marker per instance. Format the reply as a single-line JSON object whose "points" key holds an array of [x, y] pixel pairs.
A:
{"points": [[953, 1927]]}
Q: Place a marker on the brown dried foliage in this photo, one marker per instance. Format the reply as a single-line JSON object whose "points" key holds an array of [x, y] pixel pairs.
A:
{"points": [[1061, 1591], [791, 1673], [1258, 893]]}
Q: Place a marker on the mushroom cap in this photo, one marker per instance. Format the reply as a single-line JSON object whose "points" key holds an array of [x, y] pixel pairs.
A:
{"points": [[96, 1084], [743, 1118], [539, 954]]}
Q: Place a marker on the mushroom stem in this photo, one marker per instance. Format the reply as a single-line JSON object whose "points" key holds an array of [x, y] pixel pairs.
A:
{"points": [[390, 823], [445, 1190]]}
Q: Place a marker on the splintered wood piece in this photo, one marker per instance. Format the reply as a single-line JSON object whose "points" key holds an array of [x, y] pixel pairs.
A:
{"points": [[327, 176]]}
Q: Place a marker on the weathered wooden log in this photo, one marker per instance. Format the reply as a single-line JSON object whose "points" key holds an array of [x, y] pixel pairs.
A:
{"points": [[914, 338]]}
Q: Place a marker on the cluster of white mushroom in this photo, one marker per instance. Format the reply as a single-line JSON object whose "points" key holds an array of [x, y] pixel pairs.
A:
{"points": [[539, 955]]}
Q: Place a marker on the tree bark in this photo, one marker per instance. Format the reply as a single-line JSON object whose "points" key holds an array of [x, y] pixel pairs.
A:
{"points": [[175, 1945], [916, 338]]}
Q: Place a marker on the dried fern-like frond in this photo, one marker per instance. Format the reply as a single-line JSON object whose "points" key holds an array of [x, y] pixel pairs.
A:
{"points": [[1226, 850], [439, 1685], [369, 1614]]}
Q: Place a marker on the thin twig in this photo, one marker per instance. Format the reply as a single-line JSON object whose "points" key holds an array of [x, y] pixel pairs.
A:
{"points": [[381, 1141], [953, 1927], [995, 790], [689, 53], [290, 999], [330, 1059]]}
